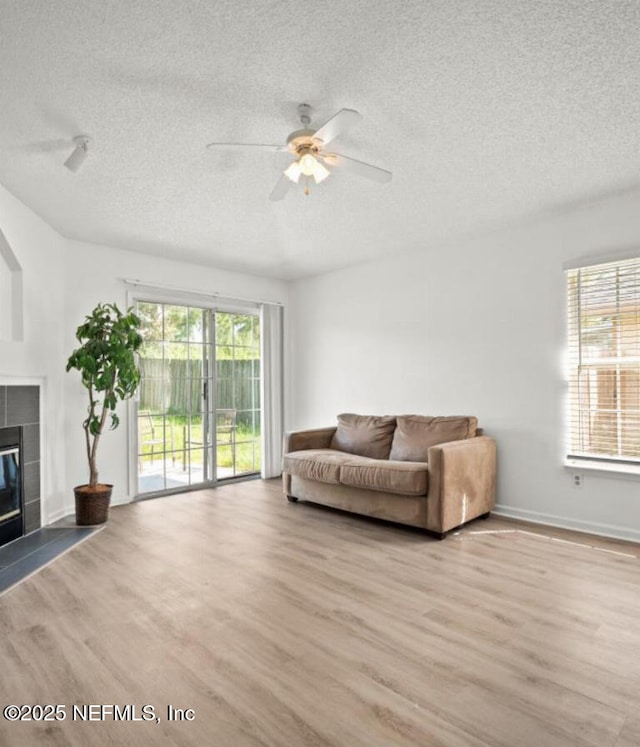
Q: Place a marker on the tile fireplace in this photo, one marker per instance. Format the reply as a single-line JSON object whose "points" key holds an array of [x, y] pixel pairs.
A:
{"points": [[19, 461], [11, 494]]}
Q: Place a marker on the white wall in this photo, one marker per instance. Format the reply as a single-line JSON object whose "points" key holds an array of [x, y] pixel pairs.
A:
{"points": [[94, 274], [38, 358], [63, 280], [475, 328]]}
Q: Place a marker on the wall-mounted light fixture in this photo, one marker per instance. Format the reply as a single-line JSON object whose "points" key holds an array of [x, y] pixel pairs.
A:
{"points": [[76, 159]]}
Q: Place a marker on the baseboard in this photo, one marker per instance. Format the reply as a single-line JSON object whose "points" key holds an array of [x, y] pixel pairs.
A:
{"points": [[121, 500], [50, 518], [70, 510], [563, 522]]}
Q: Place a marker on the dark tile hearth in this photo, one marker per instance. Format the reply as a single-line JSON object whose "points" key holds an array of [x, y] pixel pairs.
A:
{"points": [[26, 555]]}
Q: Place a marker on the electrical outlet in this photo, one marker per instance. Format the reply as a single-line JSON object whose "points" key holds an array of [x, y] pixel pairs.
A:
{"points": [[577, 478]]}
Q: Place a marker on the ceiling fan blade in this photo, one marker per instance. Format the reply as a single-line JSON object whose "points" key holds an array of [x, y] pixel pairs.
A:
{"points": [[339, 123], [283, 158], [358, 167], [281, 188], [258, 146]]}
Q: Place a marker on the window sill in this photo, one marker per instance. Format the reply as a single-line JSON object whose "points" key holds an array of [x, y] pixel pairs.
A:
{"points": [[586, 465]]}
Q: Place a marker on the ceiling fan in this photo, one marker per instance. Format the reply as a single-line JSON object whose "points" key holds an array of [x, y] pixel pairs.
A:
{"points": [[311, 160]]}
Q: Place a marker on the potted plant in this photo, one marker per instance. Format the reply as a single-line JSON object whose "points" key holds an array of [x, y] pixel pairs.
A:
{"points": [[107, 363]]}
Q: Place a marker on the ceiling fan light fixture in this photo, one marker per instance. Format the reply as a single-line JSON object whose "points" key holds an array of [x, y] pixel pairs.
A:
{"points": [[293, 171], [308, 164], [311, 166], [320, 173]]}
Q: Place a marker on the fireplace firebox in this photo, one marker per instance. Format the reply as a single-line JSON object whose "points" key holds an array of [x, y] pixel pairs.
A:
{"points": [[11, 481]]}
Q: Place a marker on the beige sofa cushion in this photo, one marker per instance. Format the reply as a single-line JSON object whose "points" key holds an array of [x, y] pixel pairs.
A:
{"points": [[402, 478], [415, 434], [364, 435], [322, 465]]}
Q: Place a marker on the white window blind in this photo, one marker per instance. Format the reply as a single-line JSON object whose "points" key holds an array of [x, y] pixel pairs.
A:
{"points": [[604, 361]]}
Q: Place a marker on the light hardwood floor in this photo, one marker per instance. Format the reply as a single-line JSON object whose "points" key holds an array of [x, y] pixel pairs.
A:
{"points": [[291, 625]]}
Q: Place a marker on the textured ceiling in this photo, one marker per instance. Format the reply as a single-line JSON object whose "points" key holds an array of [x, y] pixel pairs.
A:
{"points": [[485, 111]]}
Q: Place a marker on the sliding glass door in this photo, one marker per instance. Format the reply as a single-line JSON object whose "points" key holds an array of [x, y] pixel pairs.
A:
{"points": [[198, 415], [237, 354]]}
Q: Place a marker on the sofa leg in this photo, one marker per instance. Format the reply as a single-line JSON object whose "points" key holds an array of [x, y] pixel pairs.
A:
{"points": [[440, 535], [485, 516], [292, 499]]}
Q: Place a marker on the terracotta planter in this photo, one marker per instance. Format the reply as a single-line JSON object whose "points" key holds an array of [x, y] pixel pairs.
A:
{"points": [[92, 504]]}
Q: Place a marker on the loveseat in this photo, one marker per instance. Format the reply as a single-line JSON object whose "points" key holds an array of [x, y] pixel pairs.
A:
{"points": [[436, 473]]}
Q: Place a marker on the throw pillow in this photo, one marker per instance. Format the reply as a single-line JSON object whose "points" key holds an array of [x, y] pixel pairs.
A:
{"points": [[415, 434], [364, 435]]}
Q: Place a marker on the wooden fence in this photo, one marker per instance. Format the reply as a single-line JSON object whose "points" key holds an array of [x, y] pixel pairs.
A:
{"points": [[175, 387]]}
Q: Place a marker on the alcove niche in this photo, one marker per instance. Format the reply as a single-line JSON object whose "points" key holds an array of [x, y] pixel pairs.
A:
{"points": [[11, 300]]}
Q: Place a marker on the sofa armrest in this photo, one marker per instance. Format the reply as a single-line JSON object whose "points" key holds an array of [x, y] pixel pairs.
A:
{"points": [[318, 438], [462, 482]]}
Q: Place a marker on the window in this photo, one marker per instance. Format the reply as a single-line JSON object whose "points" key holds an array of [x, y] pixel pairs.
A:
{"points": [[604, 361]]}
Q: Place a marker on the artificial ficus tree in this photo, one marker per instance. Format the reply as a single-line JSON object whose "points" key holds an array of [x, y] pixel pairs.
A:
{"points": [[107, 363]]}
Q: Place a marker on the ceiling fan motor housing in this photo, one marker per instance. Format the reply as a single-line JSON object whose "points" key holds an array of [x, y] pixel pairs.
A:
{"points": [[302, 141]]}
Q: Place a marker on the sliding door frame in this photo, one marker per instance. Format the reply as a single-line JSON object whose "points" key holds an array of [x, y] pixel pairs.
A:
{"points": [[151, 294]]}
